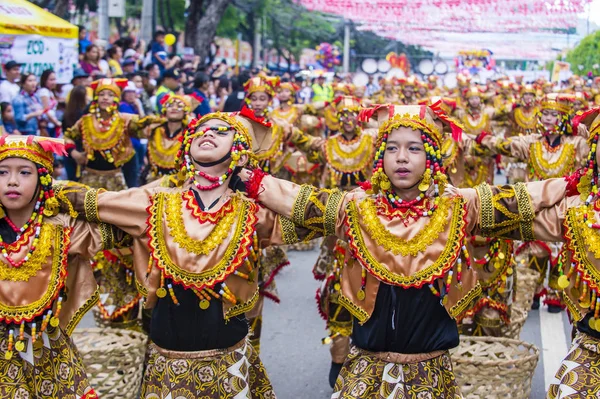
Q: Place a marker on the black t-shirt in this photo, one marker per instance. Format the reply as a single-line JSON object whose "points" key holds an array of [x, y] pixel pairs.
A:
{"points": [[406, 321]]}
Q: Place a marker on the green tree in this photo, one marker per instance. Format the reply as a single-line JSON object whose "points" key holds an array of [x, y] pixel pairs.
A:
{"points": [[587, 53]]}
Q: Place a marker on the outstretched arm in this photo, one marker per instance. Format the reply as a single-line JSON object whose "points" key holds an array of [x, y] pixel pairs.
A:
{"points": [[125, 210], [517, 147], [304, 210], [524, 211]]}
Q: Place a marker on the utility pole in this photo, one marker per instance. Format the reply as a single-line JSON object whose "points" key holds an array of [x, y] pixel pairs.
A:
{"points": [[257, 42], [147, 27], [346, 59], [103, 22]]}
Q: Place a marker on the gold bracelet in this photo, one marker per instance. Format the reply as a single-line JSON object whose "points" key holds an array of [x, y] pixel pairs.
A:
{"points": [[91, 206]]}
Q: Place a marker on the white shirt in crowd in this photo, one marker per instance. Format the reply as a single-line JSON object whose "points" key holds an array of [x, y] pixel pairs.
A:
{"points": [[8, 91]]}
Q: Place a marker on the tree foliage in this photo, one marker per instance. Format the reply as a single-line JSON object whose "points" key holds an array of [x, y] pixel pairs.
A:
{"points": [[587, 53]]}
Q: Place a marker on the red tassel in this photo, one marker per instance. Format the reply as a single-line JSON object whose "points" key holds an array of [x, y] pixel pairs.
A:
{"points": [[481, 136], [365, 185], [54, 146], [248, 113], [367, 113], [572, 182], [254, 183]]}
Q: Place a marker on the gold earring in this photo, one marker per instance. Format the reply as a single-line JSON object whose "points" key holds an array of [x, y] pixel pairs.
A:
{"points": [[426, 181]]}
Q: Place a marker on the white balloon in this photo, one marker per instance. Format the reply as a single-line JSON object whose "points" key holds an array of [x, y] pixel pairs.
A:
{"points": [[426, 67], [383, 66], [369, 65]]}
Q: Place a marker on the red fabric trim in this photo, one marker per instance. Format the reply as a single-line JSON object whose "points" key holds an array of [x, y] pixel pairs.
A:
{"points": [[318, 299], [554, 302], [481, 136], [572, 182], [248, 113], [270, 296], [254, 184], [274, 273]]}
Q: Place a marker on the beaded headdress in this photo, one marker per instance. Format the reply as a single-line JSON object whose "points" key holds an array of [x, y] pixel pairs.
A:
{"points": [[114, 85], [167, 100], [345, 88], [473, 91], [261, 83], [429, 121], [562, 103], [289, 86], [40, 151], [242, 145], [345, 104]]}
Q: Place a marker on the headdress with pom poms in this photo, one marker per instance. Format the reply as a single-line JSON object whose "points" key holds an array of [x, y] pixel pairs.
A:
{"points": [[242, 145], [40, 151], [563, 103], [429, 122]]}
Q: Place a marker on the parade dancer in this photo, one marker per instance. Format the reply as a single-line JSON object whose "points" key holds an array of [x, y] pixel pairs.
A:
{"points": [[575, 221], [555, 150], [197, 250], [46, 283], [409, 271], [164, 139], [100, 142]]}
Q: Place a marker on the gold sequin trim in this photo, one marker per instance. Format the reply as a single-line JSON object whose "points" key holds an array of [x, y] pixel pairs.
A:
{"points": [[465, 302], [398, 246], [427, 274], [89, 304], [90, 206], [58, 274], [300, 204], [217, 235], [288, 230], [361, 315], [236, 252], [486, 213], [36, 260], [331, 212], [526, 211]]}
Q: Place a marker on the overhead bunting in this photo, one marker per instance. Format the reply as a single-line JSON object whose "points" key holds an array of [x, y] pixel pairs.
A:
{"points": [[421, 22]]}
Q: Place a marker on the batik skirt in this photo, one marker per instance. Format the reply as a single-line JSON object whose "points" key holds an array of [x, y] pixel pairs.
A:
{"points": [[111, 180], [378, 375], [579, 373], [48, 369], [235, 372]]}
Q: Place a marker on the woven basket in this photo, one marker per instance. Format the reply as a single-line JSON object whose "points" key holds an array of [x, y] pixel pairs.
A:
{"points": [[113, 359], [518, 317], [101, 322], [525, 287], [494, 368]]}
